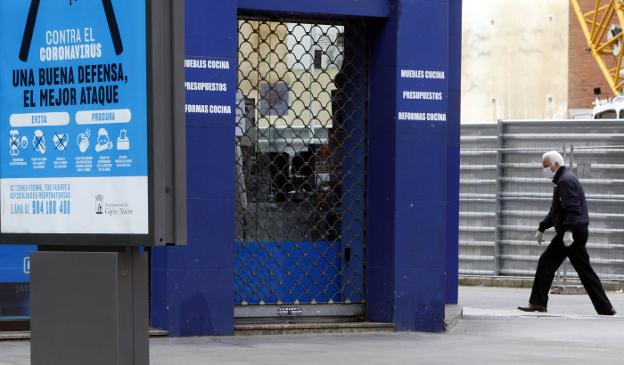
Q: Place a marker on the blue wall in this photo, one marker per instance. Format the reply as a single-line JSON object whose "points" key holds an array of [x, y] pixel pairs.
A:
{"points": [[453, 147], [421, 158], [15, 263], [413, 170], [364, 8], [381, 171], [413, 202], [14, 276], [192, 286]]}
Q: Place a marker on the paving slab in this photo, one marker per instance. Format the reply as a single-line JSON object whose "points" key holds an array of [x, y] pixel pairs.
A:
{"points": [[491, 332]]}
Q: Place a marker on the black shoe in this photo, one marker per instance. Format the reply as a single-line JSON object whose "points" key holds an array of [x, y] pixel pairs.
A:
{"points": [[534, 308], [610, 312]]}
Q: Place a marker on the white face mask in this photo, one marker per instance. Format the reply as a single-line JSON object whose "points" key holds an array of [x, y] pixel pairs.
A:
{"points": [[548, 173]]}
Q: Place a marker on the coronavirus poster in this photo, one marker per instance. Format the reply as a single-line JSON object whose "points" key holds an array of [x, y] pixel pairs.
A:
{"points": [[73, 117]]}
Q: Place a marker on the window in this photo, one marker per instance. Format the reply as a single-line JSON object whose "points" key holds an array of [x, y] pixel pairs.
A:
{"points": [[607, 114], [273, 99]]}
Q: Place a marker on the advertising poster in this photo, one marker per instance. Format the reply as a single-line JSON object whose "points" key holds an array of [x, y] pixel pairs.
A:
{"points": [[73, 117]]}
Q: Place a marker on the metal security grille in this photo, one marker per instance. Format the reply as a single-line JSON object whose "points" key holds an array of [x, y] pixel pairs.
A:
{"points": [[504, 196], [300, 167]]}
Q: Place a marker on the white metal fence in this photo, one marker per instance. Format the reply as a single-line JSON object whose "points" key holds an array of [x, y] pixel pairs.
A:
{"points": [[504, 195]]}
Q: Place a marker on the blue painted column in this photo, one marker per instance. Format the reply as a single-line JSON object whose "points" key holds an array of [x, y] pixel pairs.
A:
{"points": [[453, 148], [409, 201], [193, 286], [421, 165], [380, 248]]}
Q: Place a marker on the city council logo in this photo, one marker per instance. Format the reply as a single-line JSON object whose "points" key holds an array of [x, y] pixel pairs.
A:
{"points": [[99, 202]]}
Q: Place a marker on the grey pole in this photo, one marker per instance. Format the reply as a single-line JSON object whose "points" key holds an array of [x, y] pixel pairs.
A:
{"points": [[89, 307]]}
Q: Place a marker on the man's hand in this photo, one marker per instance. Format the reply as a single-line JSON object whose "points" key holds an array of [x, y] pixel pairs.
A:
{"points": [[568, 239], [539, 236]]}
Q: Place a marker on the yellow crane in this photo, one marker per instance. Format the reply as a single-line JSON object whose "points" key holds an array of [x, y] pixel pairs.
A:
{"points": [[602, 23]]}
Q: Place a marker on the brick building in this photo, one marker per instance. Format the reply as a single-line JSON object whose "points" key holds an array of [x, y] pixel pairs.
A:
{"points": [[584, 74]]}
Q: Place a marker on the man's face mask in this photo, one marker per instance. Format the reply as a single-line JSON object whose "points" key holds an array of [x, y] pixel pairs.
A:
{"points": [[548, 173]]}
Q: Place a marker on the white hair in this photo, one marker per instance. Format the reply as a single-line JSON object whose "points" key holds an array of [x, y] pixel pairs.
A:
{"points": [[553, 157]]}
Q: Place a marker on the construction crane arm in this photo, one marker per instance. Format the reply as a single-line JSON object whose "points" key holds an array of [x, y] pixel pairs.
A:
{"points": [[602, 25]]}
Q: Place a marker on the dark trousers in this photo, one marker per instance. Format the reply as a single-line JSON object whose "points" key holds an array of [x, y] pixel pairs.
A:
{"points": [[553, 257]]}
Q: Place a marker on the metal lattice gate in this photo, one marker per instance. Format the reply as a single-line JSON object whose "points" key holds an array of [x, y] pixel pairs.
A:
{"points": [[301, 168]]}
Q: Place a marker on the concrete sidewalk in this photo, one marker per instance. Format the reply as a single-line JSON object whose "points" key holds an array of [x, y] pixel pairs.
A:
{"points": [[509, 299], [491, 333]]}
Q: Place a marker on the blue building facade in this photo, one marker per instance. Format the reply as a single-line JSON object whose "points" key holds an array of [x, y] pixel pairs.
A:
{"points": [[412, 179]]}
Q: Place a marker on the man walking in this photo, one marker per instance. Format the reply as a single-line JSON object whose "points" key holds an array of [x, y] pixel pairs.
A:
{"points": [[568, 215]]}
